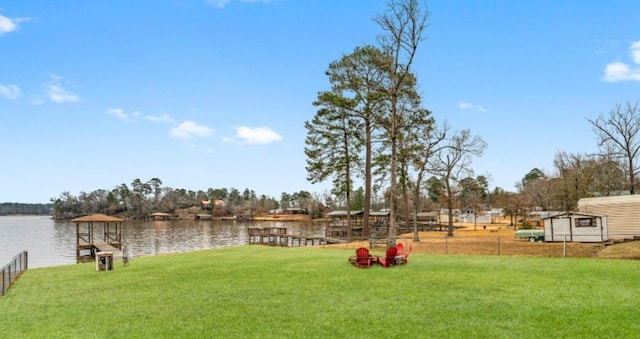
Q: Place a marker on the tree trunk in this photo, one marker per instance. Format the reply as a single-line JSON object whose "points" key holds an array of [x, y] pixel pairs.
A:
{"points": [[367, 182], [394, 187], [450, 207]]}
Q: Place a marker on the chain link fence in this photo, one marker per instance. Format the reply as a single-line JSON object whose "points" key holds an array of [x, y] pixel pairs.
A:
{"points": [[12, 271], [487, 245]]}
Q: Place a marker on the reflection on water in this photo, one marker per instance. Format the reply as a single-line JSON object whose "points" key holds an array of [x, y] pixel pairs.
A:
{"points": [[156, 237], [51, 243]]}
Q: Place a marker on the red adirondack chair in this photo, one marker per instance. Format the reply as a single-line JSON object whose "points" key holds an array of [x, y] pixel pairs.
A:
{"points": [[390, 257], [403, 256], [363, 258], [406, 255]]}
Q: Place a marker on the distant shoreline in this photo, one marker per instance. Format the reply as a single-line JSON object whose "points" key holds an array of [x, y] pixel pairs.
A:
{"points": [[25, 215]]}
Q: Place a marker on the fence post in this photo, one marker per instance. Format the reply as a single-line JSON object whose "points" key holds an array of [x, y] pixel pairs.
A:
{"points": [[13, 270], [499, 245], [10, 277], [446, 244]]}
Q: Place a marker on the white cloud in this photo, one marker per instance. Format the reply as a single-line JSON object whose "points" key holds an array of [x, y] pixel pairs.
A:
{"points": [[160, 118], [121, 114], [223, 3], [6, 25], [54, 77], [190, 129], [620, 71], [9, 91], [259, 135], [60, 95], [36, 100], [9, 25], [635, 51], [466, 105], [217, 3], [56, 93]]}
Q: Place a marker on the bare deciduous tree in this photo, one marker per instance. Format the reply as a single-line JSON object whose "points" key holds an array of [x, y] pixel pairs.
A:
{"points": [[619, 136], [430, 143], [452, 163]]}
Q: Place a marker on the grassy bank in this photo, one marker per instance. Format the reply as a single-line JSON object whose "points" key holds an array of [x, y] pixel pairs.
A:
{"points": [[255, 291]]}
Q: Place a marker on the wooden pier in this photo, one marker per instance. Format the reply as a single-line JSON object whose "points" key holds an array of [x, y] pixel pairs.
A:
{"points": [[278, 236], [85, 240], [104, 247]]}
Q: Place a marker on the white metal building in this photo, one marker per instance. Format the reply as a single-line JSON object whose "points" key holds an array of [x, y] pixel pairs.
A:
{"points": [[575, 226], [623, 214]]}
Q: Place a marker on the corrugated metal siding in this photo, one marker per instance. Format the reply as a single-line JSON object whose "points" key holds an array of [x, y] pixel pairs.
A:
{"points": [[556, 228], [623, 213]]}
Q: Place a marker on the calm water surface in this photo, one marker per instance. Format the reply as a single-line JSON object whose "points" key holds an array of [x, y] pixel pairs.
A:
{"points": [[51, 243]]}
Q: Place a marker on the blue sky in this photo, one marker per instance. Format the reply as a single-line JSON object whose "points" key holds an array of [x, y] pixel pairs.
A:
{"points": [[215, 93]]}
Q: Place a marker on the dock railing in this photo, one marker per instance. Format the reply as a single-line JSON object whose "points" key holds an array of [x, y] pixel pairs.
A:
{"points": [[12, 271]]}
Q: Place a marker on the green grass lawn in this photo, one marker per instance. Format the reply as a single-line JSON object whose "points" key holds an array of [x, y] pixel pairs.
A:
{"points": [[269, 292]]}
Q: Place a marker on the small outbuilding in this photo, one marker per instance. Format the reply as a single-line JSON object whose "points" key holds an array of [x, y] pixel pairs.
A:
{"points": [[337, 226], [379, 218], [576, 226]]}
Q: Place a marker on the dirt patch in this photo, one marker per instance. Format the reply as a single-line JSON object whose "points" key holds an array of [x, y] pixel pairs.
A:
{"points": [[500, 240]]}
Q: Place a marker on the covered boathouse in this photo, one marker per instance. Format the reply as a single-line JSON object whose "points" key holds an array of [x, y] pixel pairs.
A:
{"points": [[109, 236]]}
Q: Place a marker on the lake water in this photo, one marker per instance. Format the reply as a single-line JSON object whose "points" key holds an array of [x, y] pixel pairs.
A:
{"points": [[51, 243]]}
